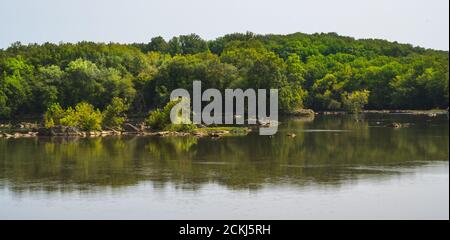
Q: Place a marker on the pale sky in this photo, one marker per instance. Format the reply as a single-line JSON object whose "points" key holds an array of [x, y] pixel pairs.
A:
{"points": [[422, 23]]}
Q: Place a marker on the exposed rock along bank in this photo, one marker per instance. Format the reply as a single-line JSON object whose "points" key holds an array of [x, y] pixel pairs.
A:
{"points": [[127, 129]]}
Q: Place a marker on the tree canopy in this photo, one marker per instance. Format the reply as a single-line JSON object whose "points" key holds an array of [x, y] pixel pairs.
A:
{"points": [[318, 71]]}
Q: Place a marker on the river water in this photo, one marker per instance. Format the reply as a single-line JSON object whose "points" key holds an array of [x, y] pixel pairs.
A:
{"points": [[335, 167]]}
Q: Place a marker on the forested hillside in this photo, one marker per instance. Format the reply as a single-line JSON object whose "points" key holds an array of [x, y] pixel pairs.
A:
{"points": [[318, 71]]}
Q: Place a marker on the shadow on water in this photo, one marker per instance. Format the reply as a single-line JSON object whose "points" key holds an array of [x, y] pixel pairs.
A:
{"points": [[326, 151]]}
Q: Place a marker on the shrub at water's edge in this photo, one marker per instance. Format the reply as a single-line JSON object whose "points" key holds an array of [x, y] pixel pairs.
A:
{"points": [[84, 116], [354, 102], [160, 119], [114, 115], [87, 118]]}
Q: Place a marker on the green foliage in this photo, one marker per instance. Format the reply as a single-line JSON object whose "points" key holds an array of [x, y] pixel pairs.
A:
{"points": [[54, 115], [160, 119], [326, 93], [70, 118], [187, 44], [84, 81], [45, 87], [15, 91], [291, 97], [84, 116], [354, 102], [157, 120], [158, 44], [4, 108], [180, 127], [114, 114], [88, 117], [181, 70], [310, 70]]}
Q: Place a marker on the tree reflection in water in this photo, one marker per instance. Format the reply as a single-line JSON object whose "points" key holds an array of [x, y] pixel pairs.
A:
{"points": [[330, 150]]}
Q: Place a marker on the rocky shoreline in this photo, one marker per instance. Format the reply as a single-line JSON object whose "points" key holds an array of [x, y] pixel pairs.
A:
{"points": [[429, 113], [128, 129], [29, 130]]}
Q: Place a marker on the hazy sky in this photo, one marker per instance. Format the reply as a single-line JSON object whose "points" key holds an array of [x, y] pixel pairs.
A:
{"points": [[419, 22]]}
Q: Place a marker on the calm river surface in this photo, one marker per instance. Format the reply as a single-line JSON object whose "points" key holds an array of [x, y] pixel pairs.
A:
{"points": [[335, 168]]}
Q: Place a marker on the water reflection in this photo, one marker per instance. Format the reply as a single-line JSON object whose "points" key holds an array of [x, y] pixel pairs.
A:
{"points": [[327, 151]]}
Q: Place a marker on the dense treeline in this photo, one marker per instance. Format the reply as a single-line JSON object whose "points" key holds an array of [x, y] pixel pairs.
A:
{"points": [[318, 71]]}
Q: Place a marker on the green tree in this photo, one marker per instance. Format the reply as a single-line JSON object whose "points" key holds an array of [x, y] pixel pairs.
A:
{"points": [[114, 114], [354, 102], [84, 116], [192, 43], [89, 118], [45, 88], [80, 83], [53, 115], [160, 119], [158, 44], [15, 90]]}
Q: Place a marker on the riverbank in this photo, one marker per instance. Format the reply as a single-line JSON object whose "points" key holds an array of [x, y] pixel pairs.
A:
{"points": [[28, 130], [35, 129], [430, 113]]}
